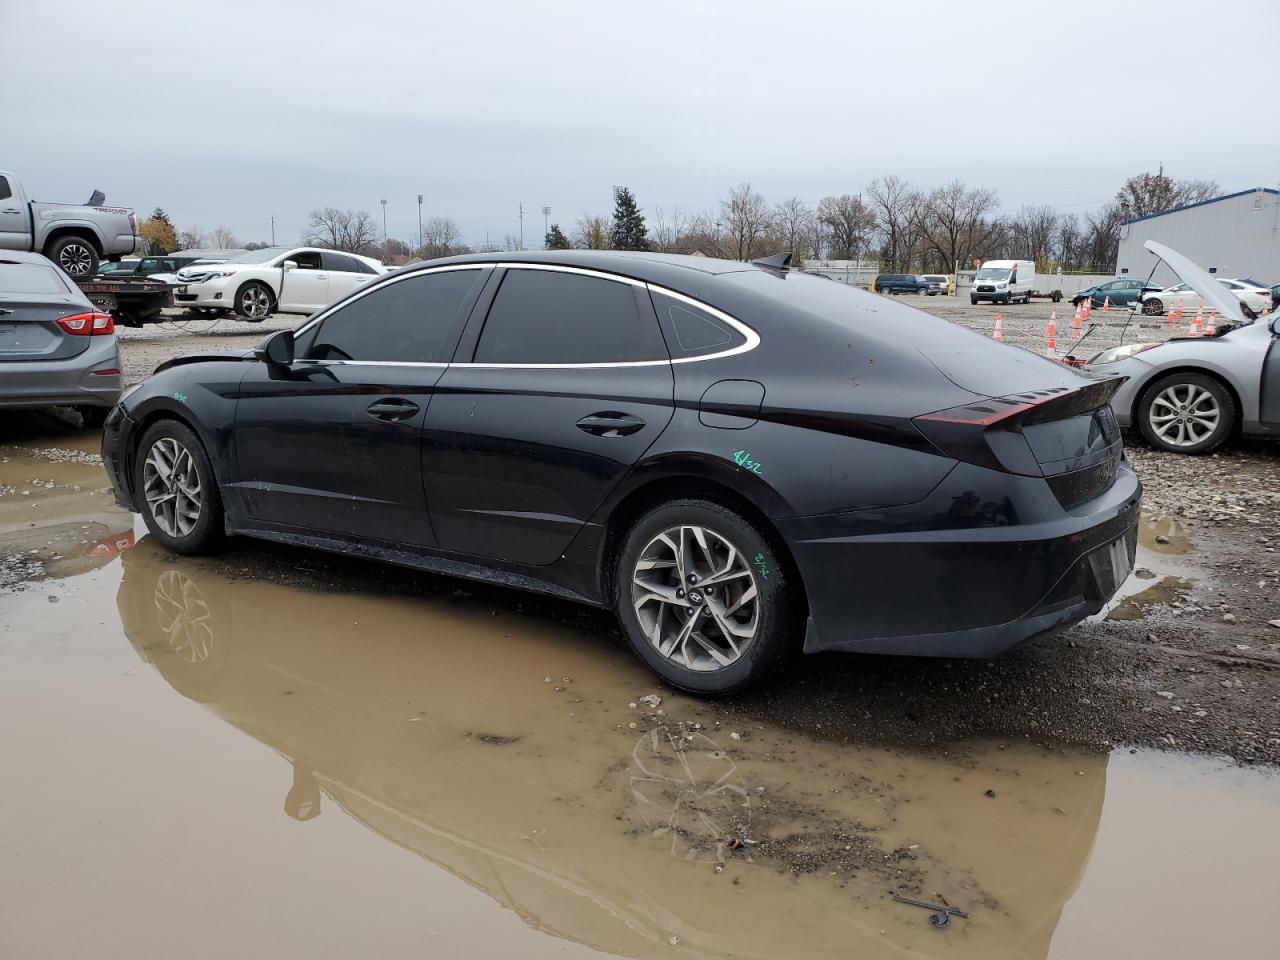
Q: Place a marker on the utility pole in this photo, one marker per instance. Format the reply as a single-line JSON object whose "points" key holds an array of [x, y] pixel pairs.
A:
{"points": [[273, 229], [419, 224], [521, 224], [384, 230], [546, 220]]}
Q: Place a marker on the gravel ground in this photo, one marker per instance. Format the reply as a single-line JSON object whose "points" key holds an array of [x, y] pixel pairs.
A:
{"points": [[1190, 662]]}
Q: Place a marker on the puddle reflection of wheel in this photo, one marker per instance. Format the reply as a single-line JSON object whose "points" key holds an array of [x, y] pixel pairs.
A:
{"points": [[176, 623], [688, 789], [183, 617]]}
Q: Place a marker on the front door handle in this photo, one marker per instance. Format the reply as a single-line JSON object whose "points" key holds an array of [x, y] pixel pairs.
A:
{"points": [[610, 423], [392, 409]]}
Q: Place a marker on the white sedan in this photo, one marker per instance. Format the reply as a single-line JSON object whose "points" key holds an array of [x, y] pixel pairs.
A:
{"points": [[259, 283], [1154, 303]]}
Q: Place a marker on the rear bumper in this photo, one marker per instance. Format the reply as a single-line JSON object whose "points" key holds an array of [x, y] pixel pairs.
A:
{"points": [[961, 575], [71, 382]]}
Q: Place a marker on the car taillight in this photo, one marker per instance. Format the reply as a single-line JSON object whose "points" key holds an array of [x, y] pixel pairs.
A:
{"points": [[87, 324]]}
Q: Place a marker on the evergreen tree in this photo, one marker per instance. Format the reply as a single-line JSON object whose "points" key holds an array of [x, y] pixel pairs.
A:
{"points": [[555, 239], [159, 214], [628, 231]]}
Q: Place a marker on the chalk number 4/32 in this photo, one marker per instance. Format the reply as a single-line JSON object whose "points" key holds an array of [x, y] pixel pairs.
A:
{"points": [[743, 459]]}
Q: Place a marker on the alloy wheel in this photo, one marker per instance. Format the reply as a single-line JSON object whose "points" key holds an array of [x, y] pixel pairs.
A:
{"points": [[1184, 414], [695, 597], [75, 259], [184, 617], [171, 485], [1152, 308], [255, 303]]}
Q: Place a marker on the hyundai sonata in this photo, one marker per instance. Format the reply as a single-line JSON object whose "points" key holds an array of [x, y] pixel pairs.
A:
{"points": [[740, 460]]}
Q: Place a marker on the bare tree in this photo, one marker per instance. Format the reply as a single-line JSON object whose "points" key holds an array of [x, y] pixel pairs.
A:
{"points": [[1069, 242], [593, 232], [667, 231], [222, 238], [441, 237], [348, 230], [1034, 233], [896, 205], [747, 222], [511, 243], [793, 224], [1102, 238], [705, 235], [192, 238], [849, 226], [959, 223], [1149, 193]]}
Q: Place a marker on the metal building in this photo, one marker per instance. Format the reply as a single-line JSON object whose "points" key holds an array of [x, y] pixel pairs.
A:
{"points": [[1237, 235]]}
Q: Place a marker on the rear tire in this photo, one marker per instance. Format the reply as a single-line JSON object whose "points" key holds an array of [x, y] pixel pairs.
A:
{"points": [[75, 255], [176, 489], [1191, 413], [93, 417], [746, 618], [1152, 307]]}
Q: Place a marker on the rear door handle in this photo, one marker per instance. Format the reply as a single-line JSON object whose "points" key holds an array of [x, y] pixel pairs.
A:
{"points": [[10, 210], [610, 423], [392, 409]]}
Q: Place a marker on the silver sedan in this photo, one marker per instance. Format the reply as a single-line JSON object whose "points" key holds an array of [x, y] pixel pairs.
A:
{"points": [[56, 348], [1188, 395]]}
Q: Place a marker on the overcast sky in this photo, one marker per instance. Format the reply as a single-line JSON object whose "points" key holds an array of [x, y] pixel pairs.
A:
{"points": [[228, 113]]}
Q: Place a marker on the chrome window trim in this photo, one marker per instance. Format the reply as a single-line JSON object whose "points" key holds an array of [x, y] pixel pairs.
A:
{"points": [[751, 338]]}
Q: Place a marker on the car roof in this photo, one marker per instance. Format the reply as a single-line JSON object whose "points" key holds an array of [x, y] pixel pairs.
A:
{"points": [[23, 256], [660, 268]]}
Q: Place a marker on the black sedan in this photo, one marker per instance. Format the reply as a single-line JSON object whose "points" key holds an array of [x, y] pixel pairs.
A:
{"points": [[741, 461]]}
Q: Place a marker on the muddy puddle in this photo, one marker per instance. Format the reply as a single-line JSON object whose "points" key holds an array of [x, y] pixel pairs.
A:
{"points": [[201, 766], [1161, 574]]}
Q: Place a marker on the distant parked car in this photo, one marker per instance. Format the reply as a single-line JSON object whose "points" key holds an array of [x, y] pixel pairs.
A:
{"points": [[1189, 394], [939, 283], [258, 283], [1121, 292], [902, 283], [56, 348], [1184, 296]]}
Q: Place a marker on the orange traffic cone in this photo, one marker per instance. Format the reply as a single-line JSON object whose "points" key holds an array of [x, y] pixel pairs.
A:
{"points": [[998, 333], [1088, 308], [1106, 304], [1077, 320], [1211, 327], [1197, 322], [1051, 335], [1171, 318]]}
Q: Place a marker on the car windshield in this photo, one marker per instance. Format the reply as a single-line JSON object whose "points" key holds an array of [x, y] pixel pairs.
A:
{"points": [[257, 256], [29, 278], [993, 273]]}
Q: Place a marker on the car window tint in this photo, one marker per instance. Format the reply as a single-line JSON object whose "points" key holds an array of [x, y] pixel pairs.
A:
{"points": [[341, 262], [29, 278], [415, 320], [692, 331], [542, 316], [5, 192]]}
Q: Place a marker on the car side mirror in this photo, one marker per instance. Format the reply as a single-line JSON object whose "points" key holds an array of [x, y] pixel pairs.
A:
{"points": [[276, 349], [1275, 326], [289, 265]]}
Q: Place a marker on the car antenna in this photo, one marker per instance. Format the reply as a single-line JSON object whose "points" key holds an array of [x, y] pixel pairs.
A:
{"points": [[779, 261], [1133, 307]]}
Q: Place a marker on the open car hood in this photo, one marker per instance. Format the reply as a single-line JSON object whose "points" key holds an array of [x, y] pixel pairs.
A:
{"points": [[1214, 293]]}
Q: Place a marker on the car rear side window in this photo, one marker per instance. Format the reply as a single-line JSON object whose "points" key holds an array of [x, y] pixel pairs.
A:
{"points": [[550, 317], [342, 263], [692, 331], [414, 320], [19, 278]]}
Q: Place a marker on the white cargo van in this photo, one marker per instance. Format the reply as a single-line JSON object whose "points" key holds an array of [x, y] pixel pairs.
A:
{"points": [[1004, 281]]}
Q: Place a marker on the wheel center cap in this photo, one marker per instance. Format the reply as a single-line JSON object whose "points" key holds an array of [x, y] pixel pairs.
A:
{"points": [[695, 596]]}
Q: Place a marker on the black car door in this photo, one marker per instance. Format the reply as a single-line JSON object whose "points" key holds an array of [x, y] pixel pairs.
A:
{"points": [[331, 444], [569, 384]]}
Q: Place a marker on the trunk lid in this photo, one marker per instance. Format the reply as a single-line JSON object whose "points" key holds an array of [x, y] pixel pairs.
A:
{"points": [[29, 329]]}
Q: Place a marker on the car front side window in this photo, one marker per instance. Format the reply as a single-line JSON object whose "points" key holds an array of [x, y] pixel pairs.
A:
{"points": [[412, 320]]}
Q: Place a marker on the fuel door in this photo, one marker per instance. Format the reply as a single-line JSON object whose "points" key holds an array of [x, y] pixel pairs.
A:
{"points": [[731, 404]]}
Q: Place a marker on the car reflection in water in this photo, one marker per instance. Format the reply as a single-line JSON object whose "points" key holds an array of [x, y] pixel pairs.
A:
{"points": [[424, 721]]}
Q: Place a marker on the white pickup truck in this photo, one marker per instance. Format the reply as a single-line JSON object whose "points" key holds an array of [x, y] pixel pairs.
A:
{"points": [[76, 238]]}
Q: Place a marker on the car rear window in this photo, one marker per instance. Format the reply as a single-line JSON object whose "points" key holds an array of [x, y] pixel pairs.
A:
{"points": [[29, 278]]}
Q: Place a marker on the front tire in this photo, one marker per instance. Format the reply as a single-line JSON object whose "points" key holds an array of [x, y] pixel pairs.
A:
{"points": [[704, 598], [973, 301], [177, 490], [1190, 413], [254, 302], [75, 255]]}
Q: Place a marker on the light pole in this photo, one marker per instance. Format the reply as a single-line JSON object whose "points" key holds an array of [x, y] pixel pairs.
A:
{"points": [[384, 231], [521, 224], [419, 224], [546, 221]]}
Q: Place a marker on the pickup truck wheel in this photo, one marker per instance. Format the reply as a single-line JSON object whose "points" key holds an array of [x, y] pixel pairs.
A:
{"points": [[74, 255], [254, 302]]}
